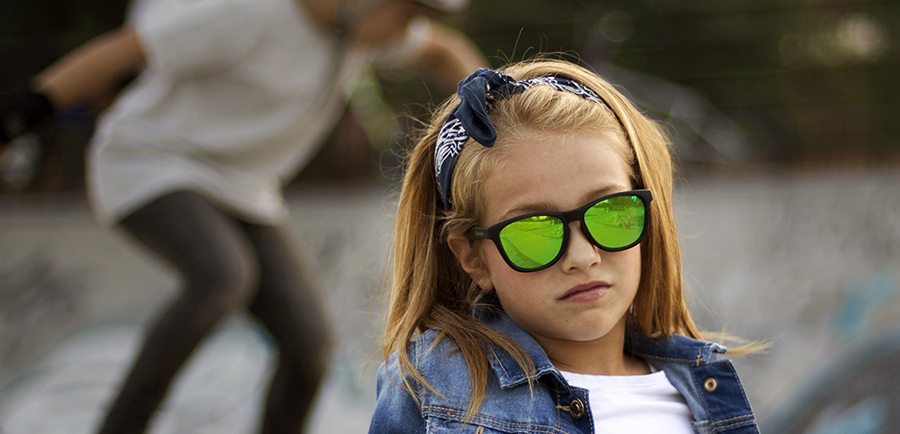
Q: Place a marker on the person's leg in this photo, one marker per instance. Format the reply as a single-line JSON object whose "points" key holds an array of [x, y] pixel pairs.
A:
{"points": [[219, 271], [289, 307]]}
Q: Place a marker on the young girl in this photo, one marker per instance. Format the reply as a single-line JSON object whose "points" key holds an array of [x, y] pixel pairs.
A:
{"points": [[537, 275]]}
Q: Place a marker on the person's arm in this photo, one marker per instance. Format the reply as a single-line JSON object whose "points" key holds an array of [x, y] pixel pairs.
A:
{"points": [[94, 69], [91, 69], [448, 56]]}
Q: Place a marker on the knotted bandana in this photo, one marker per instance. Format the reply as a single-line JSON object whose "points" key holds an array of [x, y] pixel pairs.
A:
{"points": [[470, 118]]}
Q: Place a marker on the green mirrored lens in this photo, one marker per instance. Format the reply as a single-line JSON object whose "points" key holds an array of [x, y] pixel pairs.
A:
{"points": [[616, 222], [532, 242]]}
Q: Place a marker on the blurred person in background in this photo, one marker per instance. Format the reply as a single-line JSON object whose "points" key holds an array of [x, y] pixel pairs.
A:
{"points": [[232, 100]]}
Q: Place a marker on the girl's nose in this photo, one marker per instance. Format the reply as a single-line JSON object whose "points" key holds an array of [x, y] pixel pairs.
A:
{"points": [[580, 253]]}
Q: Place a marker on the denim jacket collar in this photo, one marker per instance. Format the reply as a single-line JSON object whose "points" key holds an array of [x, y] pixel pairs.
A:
{"points": [[708, 383], [676, 349], [508, 372]]}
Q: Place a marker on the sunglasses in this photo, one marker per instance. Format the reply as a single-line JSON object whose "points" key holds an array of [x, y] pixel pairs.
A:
{"points": [[536, 241]]}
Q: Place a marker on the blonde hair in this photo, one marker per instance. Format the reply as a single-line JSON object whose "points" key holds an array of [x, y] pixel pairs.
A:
{"points": [[430, 290]]}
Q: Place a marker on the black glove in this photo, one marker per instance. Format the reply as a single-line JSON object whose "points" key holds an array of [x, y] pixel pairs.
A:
{"points": [[19, 112]]}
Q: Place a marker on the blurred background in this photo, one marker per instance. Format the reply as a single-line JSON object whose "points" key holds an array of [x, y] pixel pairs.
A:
{"points": [[786, 122]]}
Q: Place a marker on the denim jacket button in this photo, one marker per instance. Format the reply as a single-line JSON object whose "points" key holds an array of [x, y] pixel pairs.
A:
{"points": [[710, 384], [576, 408]]}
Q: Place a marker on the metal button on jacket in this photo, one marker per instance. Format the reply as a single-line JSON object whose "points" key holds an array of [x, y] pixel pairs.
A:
{"points": [[576, 408], [710, 384]]}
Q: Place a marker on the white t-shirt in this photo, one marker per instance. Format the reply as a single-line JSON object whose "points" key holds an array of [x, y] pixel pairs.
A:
{"points": [[638, 404], [236, 97]]}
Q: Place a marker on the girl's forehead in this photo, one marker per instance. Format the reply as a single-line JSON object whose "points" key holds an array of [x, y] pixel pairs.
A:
{"points": [[557, 171], [533, 149]]}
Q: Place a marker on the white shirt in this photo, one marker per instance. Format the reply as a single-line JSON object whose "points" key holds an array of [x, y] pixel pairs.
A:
{"points": [[236, 98], [639, 404]]}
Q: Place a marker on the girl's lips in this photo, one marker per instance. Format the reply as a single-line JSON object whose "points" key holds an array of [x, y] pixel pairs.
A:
{"points": [[586, 292]]}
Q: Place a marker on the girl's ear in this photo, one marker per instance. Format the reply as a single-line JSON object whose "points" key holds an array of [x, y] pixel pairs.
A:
{"points": [[470, 261]]}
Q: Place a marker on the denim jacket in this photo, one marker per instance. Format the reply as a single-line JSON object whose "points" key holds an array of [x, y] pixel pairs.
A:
{"points": [[709, 384]]}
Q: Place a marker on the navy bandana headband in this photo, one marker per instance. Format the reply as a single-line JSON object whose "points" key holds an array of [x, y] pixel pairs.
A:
{"points": [[470, 118]]}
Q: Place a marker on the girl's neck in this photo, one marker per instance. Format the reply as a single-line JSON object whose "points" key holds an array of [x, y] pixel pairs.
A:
{"points": [[603, 356]]}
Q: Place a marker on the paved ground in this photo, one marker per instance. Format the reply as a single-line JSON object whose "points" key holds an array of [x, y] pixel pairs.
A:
{"points": [[808, 260], [74, 297]]}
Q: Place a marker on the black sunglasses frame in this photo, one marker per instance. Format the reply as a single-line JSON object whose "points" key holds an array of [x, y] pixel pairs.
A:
{"points": [[493, 232]]}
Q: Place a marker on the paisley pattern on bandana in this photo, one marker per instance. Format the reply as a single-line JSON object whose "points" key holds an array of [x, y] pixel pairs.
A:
{"points": [[452, 137], [478, 93], [563, 85]]}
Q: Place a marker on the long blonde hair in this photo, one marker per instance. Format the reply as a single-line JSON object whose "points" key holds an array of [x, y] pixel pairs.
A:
{"points": [[430, 290]]}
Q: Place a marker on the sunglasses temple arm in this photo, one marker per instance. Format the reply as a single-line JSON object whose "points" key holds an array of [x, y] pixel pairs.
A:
{"points": [[478, 234]]}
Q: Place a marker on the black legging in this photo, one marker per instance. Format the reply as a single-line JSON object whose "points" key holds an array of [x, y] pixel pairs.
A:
{"points": [[225, 264]]}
